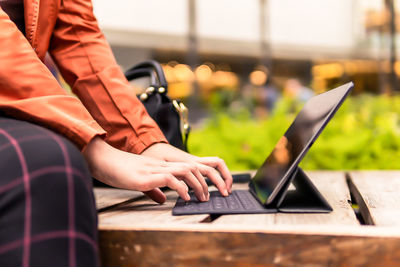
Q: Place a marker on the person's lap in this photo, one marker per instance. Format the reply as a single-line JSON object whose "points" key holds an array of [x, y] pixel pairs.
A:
{"points": [[47, 210]]}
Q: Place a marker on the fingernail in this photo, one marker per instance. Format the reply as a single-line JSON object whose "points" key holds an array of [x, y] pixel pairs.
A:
{"points": [[226, 192]]}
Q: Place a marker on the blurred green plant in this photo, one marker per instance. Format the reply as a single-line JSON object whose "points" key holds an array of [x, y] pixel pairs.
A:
{"points": [[364, 134]]}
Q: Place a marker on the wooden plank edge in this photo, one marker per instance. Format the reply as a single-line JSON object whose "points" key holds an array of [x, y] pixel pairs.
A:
{"points": [[359, 200], [371, 231], [182, 248]]}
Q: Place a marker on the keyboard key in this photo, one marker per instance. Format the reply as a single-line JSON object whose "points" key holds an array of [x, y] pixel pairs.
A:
{"points": [[238, 202]]}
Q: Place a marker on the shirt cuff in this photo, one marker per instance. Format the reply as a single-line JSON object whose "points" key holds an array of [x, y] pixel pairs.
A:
{"points": [[86, 132], [145, 140]]}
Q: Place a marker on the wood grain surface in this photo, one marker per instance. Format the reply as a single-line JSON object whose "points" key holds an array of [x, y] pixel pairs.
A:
{"points": [[108, 197], [191, 248], [145, 212], [378, 195], [332, 186], [139, 232]]}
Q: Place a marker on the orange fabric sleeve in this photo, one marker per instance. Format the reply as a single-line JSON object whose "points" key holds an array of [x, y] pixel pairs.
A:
{"points": [[88, 65], [28, 90]]}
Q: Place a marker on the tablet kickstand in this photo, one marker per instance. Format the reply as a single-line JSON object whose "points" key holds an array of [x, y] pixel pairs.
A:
{"points": [[305, 198]]}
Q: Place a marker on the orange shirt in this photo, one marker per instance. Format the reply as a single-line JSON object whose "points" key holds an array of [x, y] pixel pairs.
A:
{"points": [[107, 104]]}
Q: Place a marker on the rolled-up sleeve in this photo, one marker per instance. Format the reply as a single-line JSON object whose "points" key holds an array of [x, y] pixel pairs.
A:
{"points": [[88, 65]]}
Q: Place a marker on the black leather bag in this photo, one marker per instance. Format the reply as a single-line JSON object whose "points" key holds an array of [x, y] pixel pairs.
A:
{"points": [[170, 115]]}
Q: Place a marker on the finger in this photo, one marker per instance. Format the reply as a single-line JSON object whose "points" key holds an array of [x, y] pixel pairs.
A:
{"points": [[203, 183], [157, 195], [179, 186], [166, 179], [185, 172], [193, 166], [215, 177], [220, 165]]}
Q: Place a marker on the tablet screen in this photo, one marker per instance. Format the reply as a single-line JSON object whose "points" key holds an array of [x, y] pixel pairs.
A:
{"points": [[291, 147]]}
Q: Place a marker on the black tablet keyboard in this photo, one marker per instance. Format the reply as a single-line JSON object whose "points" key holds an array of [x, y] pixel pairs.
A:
{"points": [[239, 201]]}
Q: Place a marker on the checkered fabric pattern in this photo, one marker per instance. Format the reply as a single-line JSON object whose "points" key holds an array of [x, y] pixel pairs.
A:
{"points": [[47, 209]]}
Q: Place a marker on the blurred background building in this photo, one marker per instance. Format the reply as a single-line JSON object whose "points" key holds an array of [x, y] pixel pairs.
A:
{"points": [[227, 45]]}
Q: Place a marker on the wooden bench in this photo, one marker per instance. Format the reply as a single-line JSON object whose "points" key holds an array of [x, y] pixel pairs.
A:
{"points": [[134, 231]]}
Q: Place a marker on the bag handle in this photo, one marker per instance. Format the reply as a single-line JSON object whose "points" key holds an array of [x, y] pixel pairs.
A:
{"points": [[132, 74], [150, 68]]}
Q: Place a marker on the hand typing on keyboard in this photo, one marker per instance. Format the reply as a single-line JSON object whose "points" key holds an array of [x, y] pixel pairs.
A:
{"points": [[190, 170]]}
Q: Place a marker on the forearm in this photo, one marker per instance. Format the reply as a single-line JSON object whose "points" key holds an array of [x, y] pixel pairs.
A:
{"points": [[28, 90]]}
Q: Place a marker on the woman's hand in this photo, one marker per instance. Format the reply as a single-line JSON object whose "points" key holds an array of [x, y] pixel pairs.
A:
{"points": [[213, 168], [140, 172]]}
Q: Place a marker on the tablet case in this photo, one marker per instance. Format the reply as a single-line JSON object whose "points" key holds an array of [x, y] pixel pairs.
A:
{"points": [[304, 199]]}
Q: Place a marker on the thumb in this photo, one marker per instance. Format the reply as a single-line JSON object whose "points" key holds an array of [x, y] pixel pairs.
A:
{"points": [[157, 195]]}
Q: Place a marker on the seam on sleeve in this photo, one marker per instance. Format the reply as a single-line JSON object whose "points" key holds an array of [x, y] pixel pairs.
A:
{"points": [[94, 72], [82, 44]]}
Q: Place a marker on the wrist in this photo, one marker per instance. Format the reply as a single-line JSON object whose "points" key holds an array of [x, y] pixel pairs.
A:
{"points": [[94, 152]]}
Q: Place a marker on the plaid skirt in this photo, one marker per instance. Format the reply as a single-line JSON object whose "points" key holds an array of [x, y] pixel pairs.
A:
{"points": [[47, 209]]}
